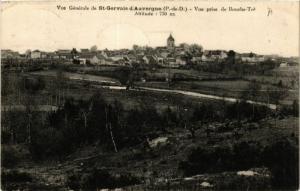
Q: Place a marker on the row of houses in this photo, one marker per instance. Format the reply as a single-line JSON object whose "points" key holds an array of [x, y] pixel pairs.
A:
{"points": [[165, 56], [7, 54], [161, 55]]}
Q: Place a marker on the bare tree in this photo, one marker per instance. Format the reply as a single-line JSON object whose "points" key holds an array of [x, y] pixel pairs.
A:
{"points": [[135, 48], [109, 127], [253, 93], [60, 87], [275, 95]]}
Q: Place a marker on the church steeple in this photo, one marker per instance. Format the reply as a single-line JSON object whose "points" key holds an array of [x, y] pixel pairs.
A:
{"points": [[170, 42]]}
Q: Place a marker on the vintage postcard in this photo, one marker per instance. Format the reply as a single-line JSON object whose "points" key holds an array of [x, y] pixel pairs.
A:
{"points": [[149, 95]]}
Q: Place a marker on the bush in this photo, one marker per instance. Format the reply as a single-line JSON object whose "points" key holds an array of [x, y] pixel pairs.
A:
{"points": [[5, 137], [34, 84], [16, 176], [281, 157], [246, 155], [9, 157], [50, 143], [99, 178], [73, 181], [203, 160], [232, 181]]}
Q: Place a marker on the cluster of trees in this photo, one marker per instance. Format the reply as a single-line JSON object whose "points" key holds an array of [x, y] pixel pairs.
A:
{"points": [[237, 68], [273, 95], [190, 51], [82, 122], [18, 89], [246, 155]]}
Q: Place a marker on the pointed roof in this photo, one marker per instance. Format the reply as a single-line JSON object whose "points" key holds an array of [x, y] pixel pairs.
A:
{"points": [[171, 38]]}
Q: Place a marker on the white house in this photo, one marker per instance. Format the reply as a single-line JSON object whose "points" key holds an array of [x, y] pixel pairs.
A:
{"points": [[180, 62], [284, 64], [36, 54], [98, 60]]}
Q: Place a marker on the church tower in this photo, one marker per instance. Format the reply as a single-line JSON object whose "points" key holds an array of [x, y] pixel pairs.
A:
{"points": [[170, 42]]}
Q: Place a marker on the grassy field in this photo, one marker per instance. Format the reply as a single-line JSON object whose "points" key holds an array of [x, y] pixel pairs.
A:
{"points": [[286, 71], [287, 76], [224, 87], [185, 73], [213, 86], [227, 88], [286, 81], [77, 76]]}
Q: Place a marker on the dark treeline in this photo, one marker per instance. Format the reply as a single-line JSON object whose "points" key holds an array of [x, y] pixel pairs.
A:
{"points": [[280, 157], [78, 123], [237, 68]]}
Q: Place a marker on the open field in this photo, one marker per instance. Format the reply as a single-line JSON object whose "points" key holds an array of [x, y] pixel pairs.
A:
{"points": [[226, 88], [77, 76], [284, 76], [286, 71], [286, 81], [163, 73], [211, 86], [79, 90]]}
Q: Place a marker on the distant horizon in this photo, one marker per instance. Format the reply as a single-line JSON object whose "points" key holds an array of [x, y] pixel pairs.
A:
{"points": [[130, 48]]}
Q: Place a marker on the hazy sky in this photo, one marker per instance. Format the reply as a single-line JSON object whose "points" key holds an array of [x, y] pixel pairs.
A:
{"points": [[42, 26]]}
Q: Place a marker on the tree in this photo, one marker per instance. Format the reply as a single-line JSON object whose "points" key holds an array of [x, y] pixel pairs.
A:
{"points": [[195, 49], [252, 93], [93, 48], [190, 51], [108, 125], [292, 83], [74, 53], [135, 48], [125, 76], [231, 57], [295, 107], [149, 50], [29, 107], [169, 117], [59, 86], [231, 53], [280, 83], [276, 94], [184, 46], [33, 85]]}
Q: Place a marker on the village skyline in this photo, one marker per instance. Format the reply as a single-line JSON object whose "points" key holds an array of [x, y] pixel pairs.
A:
{"points": [[45, 28], [130, 47], [145, 46], [170, 55]]}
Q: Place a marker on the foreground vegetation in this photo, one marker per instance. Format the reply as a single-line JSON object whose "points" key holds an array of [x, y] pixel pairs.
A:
{"points": [[211, 132], [101, 138]]}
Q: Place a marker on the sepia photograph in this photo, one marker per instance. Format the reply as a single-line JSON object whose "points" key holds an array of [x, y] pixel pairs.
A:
{"points": [[136, 95]]}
